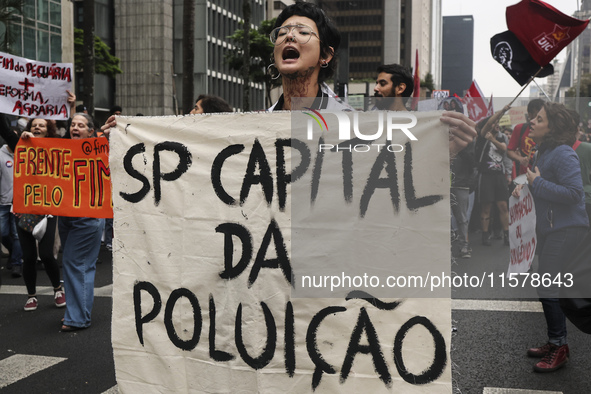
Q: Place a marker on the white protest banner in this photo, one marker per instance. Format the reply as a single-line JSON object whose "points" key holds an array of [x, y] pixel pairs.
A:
{"points": [[203, 281], [522, 231], [34, 89]]}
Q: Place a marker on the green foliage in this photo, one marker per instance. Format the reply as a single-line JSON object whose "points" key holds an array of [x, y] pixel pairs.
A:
{"points": [[428, 82], [10, 11], [261, 52], [105, 63]]}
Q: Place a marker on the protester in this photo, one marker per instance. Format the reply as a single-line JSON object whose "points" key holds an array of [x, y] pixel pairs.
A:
{"points": [[492, 184], [8, 220], [107, 233], [521, 147], [81, 240], [306, 41], [561, 220], [583, 151], [210, 104], [462, 180], [116, 110], [395, 82], [40, 128]]}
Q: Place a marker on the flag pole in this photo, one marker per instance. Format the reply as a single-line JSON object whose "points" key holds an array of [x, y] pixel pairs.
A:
{"points": [[526, 85], [490, 124], [543, 91]]}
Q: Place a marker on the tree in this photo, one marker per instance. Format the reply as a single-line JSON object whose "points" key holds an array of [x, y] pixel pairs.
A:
{"points": [[261, 52], [10, 11], [428, 82], [104, 62], [188, 55]]}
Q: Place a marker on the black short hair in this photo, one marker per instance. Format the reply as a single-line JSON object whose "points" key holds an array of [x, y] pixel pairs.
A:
{"points": [[534, 106], [327, 31], [213, 104], [399, 74], [116, 108]]}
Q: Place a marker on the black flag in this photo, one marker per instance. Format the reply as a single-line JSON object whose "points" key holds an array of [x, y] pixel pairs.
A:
{"points": [[510, 52]]}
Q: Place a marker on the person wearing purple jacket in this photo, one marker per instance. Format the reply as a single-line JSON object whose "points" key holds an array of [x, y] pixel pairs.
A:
{"points": [[561, 220]]}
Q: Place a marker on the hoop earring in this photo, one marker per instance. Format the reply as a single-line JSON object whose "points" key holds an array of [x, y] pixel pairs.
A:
{"points": [[270, 72], [324, 64]]}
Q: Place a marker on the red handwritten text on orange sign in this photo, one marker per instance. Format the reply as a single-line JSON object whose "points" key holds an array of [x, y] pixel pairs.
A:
{"points": [[63, 177]]}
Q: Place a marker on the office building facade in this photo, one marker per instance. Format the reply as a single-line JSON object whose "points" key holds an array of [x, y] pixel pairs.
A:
{"points": [[457, 54]]}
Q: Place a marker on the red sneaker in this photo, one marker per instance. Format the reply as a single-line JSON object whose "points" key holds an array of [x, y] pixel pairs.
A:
{"points": [[539, 351], [60, 299], [31, 304], [554, 359]]}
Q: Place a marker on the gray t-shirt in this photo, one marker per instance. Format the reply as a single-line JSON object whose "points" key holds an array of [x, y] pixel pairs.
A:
{"points": [[6, 175]]}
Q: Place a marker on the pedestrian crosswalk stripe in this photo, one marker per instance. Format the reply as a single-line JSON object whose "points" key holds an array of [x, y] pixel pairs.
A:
{"points": [[496, 390], [105, 291], [496, 305], [19, 366]]}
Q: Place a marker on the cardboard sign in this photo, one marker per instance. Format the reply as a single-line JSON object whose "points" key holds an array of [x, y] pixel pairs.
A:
{"points": [[63, 177], [522, 231], [204, 279], [34, 89]]}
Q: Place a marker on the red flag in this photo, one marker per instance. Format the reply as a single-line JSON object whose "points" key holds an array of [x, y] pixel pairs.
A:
{"points": [[474, 100], [490, 110], [542, 29], [417, 83]]}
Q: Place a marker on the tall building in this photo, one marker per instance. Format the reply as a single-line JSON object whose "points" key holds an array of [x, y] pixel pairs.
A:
{"points": [[47, 32], [148, 40], [578, 60], [457, 54], [386, 31], [274, 7], [104, 86]]}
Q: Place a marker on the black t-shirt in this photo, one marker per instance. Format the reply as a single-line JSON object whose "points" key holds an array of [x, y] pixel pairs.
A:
{"points": [[490, 158]]}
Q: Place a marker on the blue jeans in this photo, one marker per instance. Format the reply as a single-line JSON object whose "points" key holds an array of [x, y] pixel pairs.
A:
{"points": [[9, 235], [556, 248], [81, 242]]}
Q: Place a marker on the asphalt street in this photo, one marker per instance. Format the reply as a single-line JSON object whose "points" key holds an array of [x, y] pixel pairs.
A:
{"points": [[494, 328], [36, 357]]}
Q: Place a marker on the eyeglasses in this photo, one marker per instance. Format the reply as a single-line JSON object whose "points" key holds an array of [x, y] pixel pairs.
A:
{"points": [[301, 33]]}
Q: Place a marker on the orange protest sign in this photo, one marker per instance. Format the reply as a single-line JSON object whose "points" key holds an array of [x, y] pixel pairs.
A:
{"points": [[63, 177]]}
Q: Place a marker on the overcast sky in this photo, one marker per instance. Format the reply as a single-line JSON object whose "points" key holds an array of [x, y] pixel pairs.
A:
{"points": [[489, 19]]}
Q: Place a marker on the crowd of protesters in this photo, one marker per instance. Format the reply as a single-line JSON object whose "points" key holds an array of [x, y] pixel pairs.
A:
{"points": [[485, 161]]}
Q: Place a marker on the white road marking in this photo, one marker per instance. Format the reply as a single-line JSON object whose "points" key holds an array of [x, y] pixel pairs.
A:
{"points": [[496, 390], [496, 305], [105, 291], [112, 390], [20, 366]]}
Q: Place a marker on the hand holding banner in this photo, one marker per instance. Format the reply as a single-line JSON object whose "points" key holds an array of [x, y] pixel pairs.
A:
{"points": [[63, 177]]}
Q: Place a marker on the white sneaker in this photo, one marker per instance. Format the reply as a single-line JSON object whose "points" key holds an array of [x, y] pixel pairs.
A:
{"points": [[60, 298], [31, 304]]}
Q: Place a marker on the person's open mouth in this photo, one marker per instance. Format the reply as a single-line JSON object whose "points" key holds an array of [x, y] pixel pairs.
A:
{"points": [[290, 53]]}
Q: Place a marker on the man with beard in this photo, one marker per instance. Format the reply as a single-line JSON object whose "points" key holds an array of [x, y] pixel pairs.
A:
{"points": [[393, 81]]}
